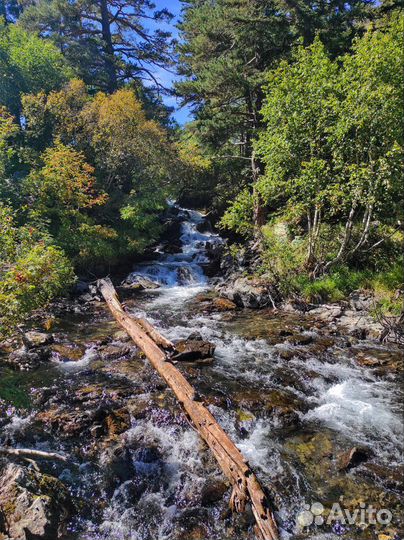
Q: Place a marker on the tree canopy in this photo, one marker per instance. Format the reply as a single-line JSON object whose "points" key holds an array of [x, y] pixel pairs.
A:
{"points": [[107, 42]]}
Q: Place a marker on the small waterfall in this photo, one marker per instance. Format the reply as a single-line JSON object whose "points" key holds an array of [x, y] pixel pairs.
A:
{"points": [[184, 268]]}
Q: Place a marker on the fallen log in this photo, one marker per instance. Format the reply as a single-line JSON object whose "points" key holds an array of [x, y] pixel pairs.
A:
{"points": [[246, 487], [28, 453]]}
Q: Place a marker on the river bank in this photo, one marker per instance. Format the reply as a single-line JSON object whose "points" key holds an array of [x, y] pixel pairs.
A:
{"points": [[316, 410]]}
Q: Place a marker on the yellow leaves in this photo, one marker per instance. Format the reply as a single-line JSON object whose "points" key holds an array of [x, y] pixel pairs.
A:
{"points": [[190, 153], [8, 127], [66, 106], [48, 323], [124, 140], [66, 178], [118, 115]]}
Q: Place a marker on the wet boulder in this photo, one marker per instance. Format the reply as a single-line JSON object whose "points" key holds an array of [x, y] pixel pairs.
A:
{"points": [[300, 339], [32, 504], [281, 406], [117, 421], [352, 458], [114, 351], [254, 293], [68, 352], [26, 359], [34, 351], [121, 335], [390, 476], [193, 349], [389, 360], [214, 252], [116, 463], [212, 491], [36, 339], [147, 454], [138, 282], [223, 304], [172, 249], [92, 410], [204, 226], [184, 275], [172, 230], [193, 524]]}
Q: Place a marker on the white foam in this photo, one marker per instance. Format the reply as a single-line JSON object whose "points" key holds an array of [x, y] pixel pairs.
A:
{"points": [[182, 268], [76, 365]]}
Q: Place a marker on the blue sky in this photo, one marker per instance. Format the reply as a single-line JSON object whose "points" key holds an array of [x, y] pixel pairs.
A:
{"points": [[182, 115]]}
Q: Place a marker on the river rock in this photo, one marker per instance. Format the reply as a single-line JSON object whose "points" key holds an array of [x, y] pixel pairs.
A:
{"points": [[352, 458], [383, 360], [121, 335], [36, 339], [214, 252], [300, 339], [184, 275], [147, 454], [172, 230], [172, 249], [70, 352], [117, 421], [390, 477], [138, 282], [282, 406], [113, 351], [193, 349], [92, 411], [212, 491], [223, 304], [204, 226], [33, 505], [250, 293], [26, 359], [117, 465]]}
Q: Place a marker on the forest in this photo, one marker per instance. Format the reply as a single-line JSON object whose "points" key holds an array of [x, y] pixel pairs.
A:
{"points": [[274, 212], [295, 143]]}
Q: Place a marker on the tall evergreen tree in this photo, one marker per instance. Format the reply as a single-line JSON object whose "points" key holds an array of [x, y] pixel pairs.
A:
{"points": [[337, 22], [106, 40], [226, 48]]}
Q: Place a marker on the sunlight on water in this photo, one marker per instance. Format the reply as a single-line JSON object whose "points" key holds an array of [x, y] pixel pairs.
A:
{"points": [[182, 269], [337, 395]]}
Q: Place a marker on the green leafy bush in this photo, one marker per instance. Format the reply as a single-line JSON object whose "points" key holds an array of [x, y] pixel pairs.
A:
{"points": [[32, 271]]}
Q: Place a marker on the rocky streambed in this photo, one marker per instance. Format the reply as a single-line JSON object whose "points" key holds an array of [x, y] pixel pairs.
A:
{"points": [[314, 406]]}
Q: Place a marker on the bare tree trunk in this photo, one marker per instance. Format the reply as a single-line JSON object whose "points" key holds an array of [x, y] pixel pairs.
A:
{"points": [[28, 453], [365, 233], [345, 240], [108, 47], [260, 211], [313, 233], [246, 487]]}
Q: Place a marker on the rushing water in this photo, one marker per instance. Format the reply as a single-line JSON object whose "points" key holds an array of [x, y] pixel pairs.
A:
{"points": [[290, 415]]}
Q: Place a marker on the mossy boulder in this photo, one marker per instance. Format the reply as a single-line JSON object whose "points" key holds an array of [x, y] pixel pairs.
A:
{"points": [[32, 504]]}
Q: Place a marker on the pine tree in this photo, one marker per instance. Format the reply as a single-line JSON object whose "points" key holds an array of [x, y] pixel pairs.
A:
{"points": [[106, 40]]}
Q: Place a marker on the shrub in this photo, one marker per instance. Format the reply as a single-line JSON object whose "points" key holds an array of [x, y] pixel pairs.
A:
{"points": [[32, 271]]}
